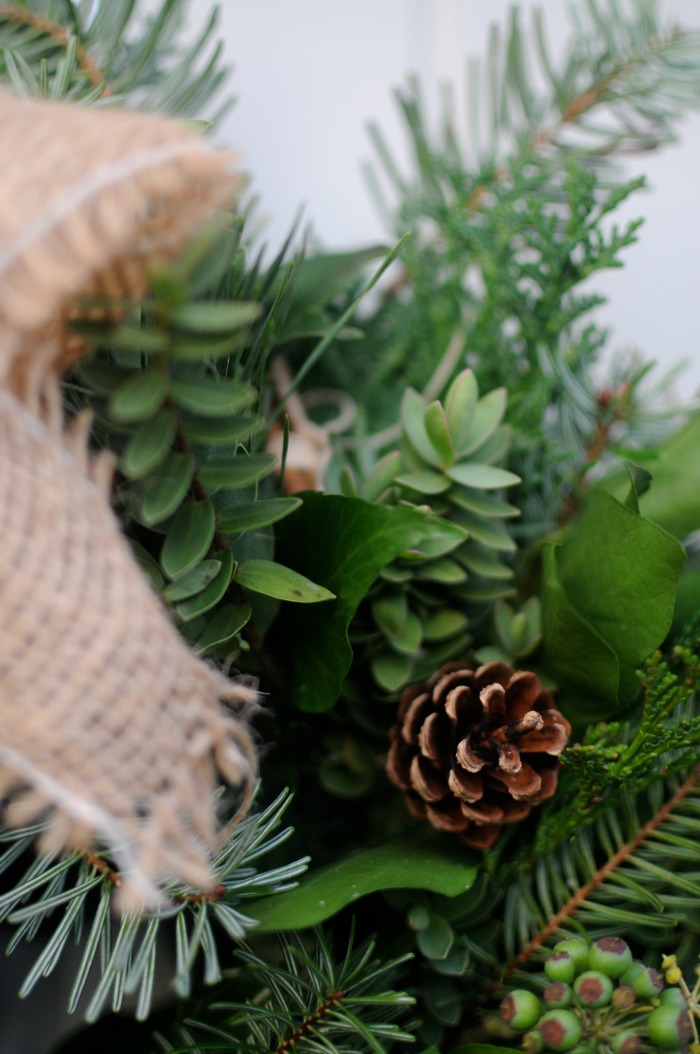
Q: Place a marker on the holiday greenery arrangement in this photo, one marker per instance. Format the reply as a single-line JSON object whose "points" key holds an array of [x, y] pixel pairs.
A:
{"points": [[457, 560]]}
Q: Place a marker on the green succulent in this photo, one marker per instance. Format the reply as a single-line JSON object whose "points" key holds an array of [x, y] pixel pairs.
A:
{"points": [[449, 459]]}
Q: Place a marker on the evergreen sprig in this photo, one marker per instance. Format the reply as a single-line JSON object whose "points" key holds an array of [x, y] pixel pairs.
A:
{"points": [[311, 1001], [72, 895]]}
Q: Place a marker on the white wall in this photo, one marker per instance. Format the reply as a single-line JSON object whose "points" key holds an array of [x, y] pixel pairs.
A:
{"points": [[309, 74]]}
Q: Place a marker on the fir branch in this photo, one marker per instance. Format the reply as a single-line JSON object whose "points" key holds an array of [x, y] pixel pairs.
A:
{"points": [[611, 865], [61, 36]]}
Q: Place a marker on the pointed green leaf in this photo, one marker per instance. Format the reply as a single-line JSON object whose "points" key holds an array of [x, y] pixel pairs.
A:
{"points": [[221, 431], [483, 477], [139, 397], [485, 421], [193, 582], [165, 490], [425, 482], [212, 396], [214, 316], [188, 539], [250, 515], [413, 424], [381, 477], [276, 580], [438, 432], [432, 862], [149, 445], [234, 472], [223, 625], [460, 404], [208, 598]]}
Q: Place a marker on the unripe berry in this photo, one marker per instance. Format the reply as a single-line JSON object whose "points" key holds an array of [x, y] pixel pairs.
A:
{"points": [[624, 997], [561, 1030], [626, 1043], [593, 989], [521, 1010], [673, 997], [533, 1042], [557, 995], [590, 1047], [560, 967], [610, 955], [669, 1027], [578, 948], [646, 982]]}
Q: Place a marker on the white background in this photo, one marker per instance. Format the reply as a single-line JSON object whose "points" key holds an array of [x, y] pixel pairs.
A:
{"points": [[310, 74]]}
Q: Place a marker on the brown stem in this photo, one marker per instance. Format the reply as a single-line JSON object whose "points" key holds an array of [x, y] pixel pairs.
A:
{"points": [[212, 896], [333, 999], [600, 876], [61, 36]]}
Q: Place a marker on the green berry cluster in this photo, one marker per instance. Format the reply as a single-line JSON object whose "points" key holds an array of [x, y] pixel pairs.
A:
{"points": [[599, 1000]]}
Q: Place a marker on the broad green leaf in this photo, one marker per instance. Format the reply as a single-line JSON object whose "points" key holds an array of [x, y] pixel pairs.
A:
{"points": [[432, 862], [620, 572], [221, 431], [483, 477], [149, 445], [208, 598], [165, 490], [214, 316], [193, 582], [276, 580], [344, 543], [579, 658], [438, 432], [148, 564], [212, 396], [223, 625], [672, 500], [139, 397], [250, 515], [188, 538], [235, 471], [460, 404]]}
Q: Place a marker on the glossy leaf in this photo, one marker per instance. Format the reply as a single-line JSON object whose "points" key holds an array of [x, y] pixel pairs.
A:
{"points": [[435, 863], [149, 445], [222, 627], [344, 543], [239, 470], [250, 515], [214, 316], [165, 490], [212, 396], [276, 580], [139, 397], [188, 539], [193, 582], [215, 590]]}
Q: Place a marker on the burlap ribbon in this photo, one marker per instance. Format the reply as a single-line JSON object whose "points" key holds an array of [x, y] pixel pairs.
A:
{"points": [[109, 726]]}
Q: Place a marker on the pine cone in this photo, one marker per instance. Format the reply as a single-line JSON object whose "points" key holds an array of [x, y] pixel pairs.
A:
{"points": [[476, 749]]}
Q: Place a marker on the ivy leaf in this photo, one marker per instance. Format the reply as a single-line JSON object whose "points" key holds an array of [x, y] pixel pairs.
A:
{"points": [[432, 862], [344, 543]]}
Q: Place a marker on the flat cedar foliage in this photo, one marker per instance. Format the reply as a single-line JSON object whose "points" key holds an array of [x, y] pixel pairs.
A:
{"points": [[487, 501]]}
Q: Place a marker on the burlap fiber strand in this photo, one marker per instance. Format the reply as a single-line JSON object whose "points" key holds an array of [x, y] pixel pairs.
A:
{"points": [[111, 728]]}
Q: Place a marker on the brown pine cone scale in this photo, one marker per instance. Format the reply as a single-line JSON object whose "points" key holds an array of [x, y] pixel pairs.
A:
{"points": [[474, 749]]}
